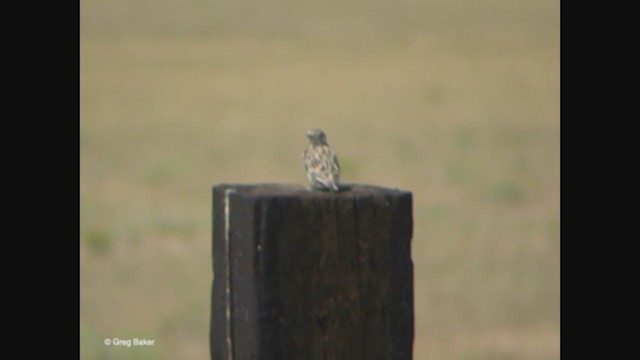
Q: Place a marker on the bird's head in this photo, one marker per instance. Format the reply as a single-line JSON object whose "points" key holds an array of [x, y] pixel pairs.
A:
{"points": [[317, 137]]}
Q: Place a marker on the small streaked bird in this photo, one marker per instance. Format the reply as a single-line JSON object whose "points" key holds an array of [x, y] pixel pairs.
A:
{"points": [[321, 163]]}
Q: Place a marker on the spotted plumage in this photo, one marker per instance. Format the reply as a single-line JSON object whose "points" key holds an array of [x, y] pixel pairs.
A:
{"points": [[321, 163]]}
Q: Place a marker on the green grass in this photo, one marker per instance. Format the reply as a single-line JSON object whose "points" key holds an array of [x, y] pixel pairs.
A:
{"points": [[98, 241], [457, 102]]}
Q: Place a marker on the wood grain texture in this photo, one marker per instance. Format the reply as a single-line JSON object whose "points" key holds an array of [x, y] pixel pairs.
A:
{"points": [[312, 275]]}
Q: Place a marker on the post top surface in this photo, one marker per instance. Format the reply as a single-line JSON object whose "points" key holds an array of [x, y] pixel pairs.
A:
{"points": [[273, 189]]}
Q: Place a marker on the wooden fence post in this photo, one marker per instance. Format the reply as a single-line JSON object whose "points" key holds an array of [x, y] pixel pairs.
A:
{"points": [[302, 274]]}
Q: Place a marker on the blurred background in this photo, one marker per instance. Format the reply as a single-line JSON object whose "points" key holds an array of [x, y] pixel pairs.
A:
{"points": [[457, 101]]}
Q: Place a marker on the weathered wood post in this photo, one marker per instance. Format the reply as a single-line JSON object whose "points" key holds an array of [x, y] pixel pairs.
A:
{"points": [[302, 274]]}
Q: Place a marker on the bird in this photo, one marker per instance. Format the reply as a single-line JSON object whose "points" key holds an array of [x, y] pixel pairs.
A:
{"points": [[321, 163]]}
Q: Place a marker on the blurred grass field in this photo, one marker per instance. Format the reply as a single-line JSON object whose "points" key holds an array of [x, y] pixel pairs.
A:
{"points": [[456, 101]]}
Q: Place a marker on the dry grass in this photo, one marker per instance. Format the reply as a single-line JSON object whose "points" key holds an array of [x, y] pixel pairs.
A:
{"points": [[457, 102]]}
